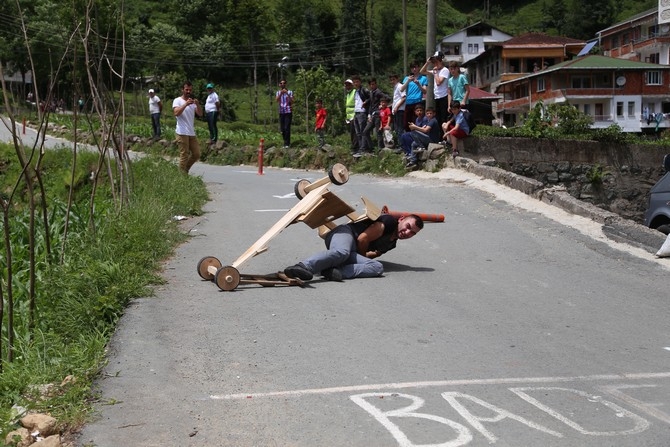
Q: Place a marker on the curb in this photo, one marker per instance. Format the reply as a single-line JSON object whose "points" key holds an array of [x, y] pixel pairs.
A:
{"points": [[614, 226]]}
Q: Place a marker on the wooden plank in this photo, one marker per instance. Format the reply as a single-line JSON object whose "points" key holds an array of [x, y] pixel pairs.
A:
{"points": [[302, 207]]}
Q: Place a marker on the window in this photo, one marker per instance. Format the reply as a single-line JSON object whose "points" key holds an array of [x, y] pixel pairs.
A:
{"points": [[615, 41], [587, 109], [619, 109], [580, 82], [631, 109], [626, 39], [653, 58], [473, 48], [653, 77], [540, 84]]}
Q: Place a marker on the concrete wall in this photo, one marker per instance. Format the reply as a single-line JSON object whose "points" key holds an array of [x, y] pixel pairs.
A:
{"points": [[628, 171]]}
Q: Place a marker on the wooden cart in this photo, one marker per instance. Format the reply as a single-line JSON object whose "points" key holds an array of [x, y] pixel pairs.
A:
{"points": [[318, 207]]}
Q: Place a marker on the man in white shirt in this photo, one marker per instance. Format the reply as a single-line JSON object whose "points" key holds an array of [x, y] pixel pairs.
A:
{"points": [[185, 107], [155, 109], [440, 75], [212, 106]]}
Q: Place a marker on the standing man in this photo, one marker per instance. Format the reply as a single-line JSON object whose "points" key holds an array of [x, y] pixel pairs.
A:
{"points": [[212, 107], [398, 106], [415, 86], [350, 113], [376, 94], [284, 98], [185, 108], [440, 75], [155, 109], [459, 89], [361, 103]]}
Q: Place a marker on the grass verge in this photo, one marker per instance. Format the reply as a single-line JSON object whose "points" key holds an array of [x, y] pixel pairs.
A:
{"points": [[80, 300]]}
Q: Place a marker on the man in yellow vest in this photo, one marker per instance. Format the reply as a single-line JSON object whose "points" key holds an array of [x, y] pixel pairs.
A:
{"points": [[350, 105]]}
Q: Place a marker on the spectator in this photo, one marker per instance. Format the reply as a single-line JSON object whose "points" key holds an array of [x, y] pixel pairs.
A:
{"points": [[459, 89], [440, 76], [212, 107], [414, 85], [155, 109], [373, 116], [398, 106], [350, 107], [320, 124], [406, 139], [362, 101], [422, 136], [185, 108], [456, 128], [284, 98], [385, 122]]}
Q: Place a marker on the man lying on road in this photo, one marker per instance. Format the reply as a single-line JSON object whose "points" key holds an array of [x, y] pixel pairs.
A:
{"points": [[352, 247]]}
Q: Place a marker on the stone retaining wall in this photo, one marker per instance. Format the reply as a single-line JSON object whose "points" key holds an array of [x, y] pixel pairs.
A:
{"points": [[614, 177]]}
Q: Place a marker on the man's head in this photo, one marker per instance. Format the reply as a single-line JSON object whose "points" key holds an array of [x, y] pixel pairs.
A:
{"points": [[357, 81], [437, 58], [455, 107], [151, 92], [430, 112], [372, 83], [394, 78], [418, 110], [282, 83], [348, 84], [210, 87], [318, 103], [384, 102], [409, 226], [187, 89], [454, 68]]}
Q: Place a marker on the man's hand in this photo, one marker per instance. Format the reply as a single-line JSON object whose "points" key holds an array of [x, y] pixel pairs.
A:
{"points": [[372, 254]]}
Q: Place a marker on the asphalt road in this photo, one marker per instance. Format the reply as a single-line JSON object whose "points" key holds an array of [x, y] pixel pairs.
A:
{"points": [[513, 324]]}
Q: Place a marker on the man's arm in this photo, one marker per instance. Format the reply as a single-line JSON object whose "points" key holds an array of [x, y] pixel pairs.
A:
{"points": [[371, 233]]}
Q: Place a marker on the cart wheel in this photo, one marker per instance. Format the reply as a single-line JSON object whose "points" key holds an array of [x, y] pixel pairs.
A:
{"points": [[204, 264], [299, 188], [338, 174], [227, 278]]}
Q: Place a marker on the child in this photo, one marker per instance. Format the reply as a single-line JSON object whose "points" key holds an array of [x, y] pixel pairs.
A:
{"points": [[456, 128], [320, 126], [385, 122]]}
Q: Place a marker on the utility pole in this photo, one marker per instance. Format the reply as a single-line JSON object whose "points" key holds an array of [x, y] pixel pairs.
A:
{"points": [[404, 37], [431, 32]]}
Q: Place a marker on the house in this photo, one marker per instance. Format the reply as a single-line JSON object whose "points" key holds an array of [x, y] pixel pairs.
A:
{"points": [[519, 56], [633, 95], [470, 42], [639, 38], [480, 104]]}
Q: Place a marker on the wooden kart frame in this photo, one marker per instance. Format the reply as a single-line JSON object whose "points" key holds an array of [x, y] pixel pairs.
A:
{"points": [[319, 208]]}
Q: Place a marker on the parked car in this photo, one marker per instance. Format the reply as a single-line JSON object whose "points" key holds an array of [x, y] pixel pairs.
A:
{"points": [[658, 211]]}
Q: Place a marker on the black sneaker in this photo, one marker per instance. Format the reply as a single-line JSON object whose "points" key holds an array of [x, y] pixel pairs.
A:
{"points": [[299, 271], [332, 274]]}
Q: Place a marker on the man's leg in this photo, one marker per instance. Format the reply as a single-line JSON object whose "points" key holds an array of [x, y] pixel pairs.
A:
{"points": [[409, 115], [341, 245], [367, 141], [360, 121], [194, 149], [156, 124], [184, 152], [361, 267]]}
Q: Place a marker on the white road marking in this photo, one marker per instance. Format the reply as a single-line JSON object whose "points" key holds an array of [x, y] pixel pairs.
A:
{"points": [[272, 211], [442, 383], [286, 196]]}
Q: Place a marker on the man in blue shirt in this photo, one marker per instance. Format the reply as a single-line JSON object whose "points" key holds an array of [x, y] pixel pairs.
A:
{"points": [[415, 85]]}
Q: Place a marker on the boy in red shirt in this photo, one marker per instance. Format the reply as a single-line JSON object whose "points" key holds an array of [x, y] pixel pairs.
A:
{"points": [[320, 126], [385, 122]]}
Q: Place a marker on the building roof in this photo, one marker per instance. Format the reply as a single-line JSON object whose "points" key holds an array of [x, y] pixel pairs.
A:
{"points": [[477, 93], [651, 12], [539, 39], [479, 24]]}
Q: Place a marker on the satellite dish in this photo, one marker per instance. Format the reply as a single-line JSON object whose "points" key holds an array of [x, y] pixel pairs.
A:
{"points": [[665, 28], [621, 81]]}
